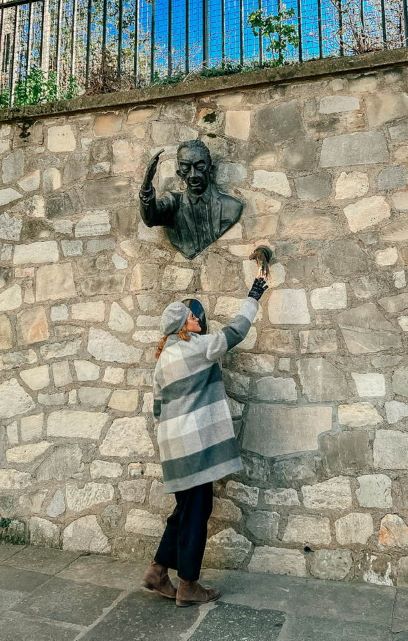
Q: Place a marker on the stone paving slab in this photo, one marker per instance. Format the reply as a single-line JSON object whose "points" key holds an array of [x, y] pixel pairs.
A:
{"points": [[315, 629], [400, 614], [105, 571], [17, 627], [356, 602], [143, 615], [8, 598], [20, 580], [63, 600], [46, 561], [7, 550], [232, 622]]}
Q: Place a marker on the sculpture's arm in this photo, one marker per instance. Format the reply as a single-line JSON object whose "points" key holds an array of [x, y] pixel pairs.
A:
{"points": [[157, 211]]}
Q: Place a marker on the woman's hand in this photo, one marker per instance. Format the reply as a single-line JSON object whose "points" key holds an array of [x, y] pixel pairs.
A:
{"points": [[259, 286]]}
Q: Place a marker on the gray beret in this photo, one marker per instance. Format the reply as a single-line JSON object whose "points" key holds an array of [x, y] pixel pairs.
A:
{"points": [[173, 318]]}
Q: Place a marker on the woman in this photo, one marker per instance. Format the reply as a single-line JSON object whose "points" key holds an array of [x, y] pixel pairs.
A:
{"points": [[196, 439]]}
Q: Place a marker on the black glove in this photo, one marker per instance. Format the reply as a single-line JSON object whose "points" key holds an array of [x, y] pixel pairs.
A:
{"points": [[259, 286]]}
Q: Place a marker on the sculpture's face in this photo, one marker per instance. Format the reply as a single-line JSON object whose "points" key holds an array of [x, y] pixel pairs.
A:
{"points": [[194, 169]]}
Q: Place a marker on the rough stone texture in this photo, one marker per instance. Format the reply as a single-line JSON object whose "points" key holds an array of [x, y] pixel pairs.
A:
{"points": [[278, 561], [317, 389], [393, 532], [331, 564], [85, 534], [334, 494], [307, 530], [355, 528]]}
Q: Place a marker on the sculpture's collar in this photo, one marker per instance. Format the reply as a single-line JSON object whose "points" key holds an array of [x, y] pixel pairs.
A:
{"points": [[205, 196]]}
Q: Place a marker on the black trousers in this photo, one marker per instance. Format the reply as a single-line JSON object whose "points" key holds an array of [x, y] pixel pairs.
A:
{"points": [[183, 542]]}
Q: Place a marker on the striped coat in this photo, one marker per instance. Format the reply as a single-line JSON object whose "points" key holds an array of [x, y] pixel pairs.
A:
{"points": [[195, 434]]}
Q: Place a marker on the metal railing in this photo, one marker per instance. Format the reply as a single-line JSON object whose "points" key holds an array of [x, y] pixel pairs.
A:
{"points": [[98, 43]]}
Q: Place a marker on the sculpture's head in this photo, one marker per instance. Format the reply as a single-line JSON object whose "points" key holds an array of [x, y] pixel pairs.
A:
{"points": [[194, 165]]}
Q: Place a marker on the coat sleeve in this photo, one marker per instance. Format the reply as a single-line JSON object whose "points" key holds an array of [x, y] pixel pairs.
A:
{"points": [[157, 399], [216, 345], [157, 211]]}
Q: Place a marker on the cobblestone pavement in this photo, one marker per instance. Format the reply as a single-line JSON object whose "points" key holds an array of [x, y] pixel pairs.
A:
{"points": [[52, 595]]}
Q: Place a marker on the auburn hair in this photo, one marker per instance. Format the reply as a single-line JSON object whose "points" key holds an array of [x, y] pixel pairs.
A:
{"points": [[182, 334]]}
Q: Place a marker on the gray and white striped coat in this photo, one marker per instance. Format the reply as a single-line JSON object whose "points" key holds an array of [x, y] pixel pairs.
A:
{"points": [[195, 434]]}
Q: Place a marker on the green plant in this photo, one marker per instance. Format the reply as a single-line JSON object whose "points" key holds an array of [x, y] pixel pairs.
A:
{"points": [[72, 89], [277, 30], [4, 99]]}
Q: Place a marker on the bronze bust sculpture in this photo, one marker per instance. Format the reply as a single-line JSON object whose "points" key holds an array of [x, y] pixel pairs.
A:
{"points": [[196, 217]]}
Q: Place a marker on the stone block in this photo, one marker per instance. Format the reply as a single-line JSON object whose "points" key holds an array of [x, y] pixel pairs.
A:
{"points": [[94, 396], [230, 173], [56, 507], [60, 350], [391, 178], [106, 192], [393, 532], [43, 533], [383, 107], [307, 224], [374, 491], [263, 526], [276, 123], [11, 479], [359, 148], [144, 276], [354, 528], [127, 437], [227, 549], [86, 497], [107, 124], [24, 454], [237, 124], [278, 561], [76, 424], [351, 185], [8, 195], [288, 307], [14, 399], [31, 427], [124, 400], [93, 224], [10, 298], [400, 382], [390, 450], [310, 530], [359, 415], [367, 212], [91, 311], [270, 388], [64, 462], [59, 313], [333, 254], [13, 166], [338, 104], [300, 155], [242, 493], [371, 385], [345, 452], [32, 326], [31, 181], [61, 138], [54, 282], [119, 320], [143, 523], [322, 381], [394, 304], [396, 411], [105, 347], [36, 378], [313, 187], [331, 564], [176, 278], [332, 297], [10, 227], [113, 375], [6, 334], [85, 535], [366, 330], [105, 469], [51, 179], [386, 257], [334, 494], [225, 510], [315, 341], [402, 578], [133, 491], [103, 284], [275, 181], [274, 430]]}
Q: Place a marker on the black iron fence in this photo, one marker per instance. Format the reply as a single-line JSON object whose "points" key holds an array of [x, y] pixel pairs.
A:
{"points": [[55, 48]]}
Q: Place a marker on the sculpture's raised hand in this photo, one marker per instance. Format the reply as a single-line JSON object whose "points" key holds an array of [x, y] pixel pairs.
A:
{"points": [[151, 171]]}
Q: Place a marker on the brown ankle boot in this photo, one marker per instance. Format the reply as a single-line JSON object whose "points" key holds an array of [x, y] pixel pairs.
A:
{"points": [[157, 579], [192, 593]]}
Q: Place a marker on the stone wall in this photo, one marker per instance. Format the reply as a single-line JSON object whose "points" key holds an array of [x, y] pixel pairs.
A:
{"points": [[319, 388]]}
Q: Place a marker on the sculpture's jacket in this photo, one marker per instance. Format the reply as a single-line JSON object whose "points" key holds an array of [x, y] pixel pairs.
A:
{"points": [[195, 433]]}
